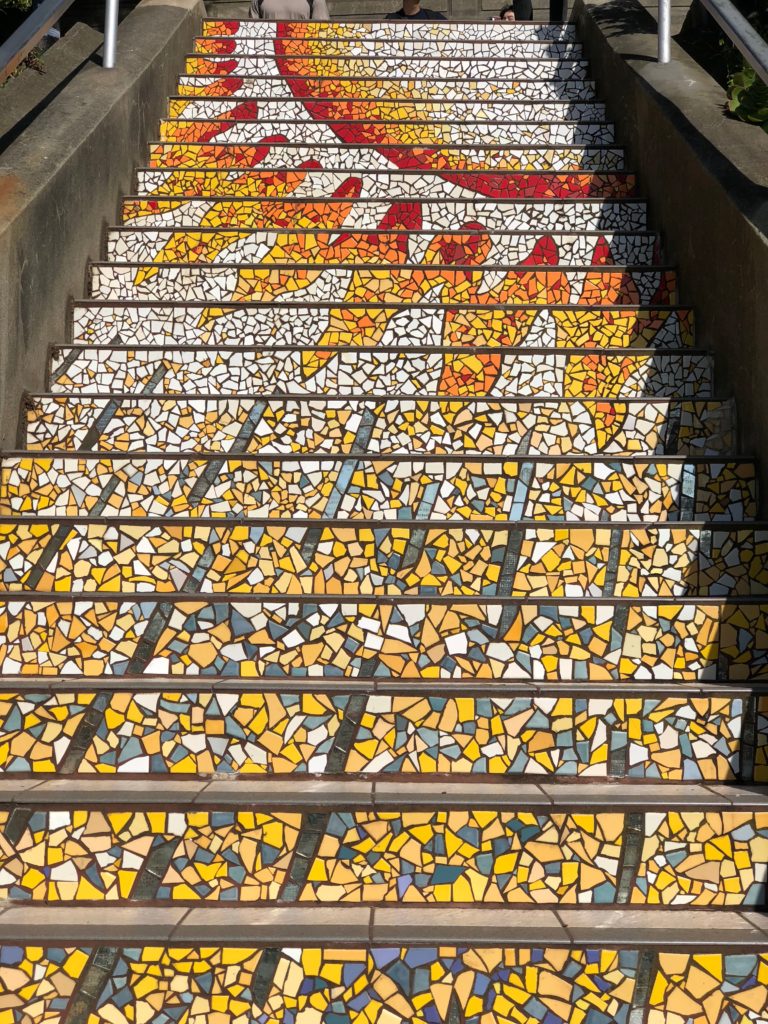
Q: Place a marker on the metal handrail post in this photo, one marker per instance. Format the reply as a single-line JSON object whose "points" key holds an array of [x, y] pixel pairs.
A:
{"points": [[110, 33], [665, 31]]}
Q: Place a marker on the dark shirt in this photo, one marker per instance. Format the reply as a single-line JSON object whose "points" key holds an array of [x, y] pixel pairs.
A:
{"points": [[523, 10], [424, 15]]}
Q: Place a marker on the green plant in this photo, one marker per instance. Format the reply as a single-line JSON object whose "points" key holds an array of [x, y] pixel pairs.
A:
{"points": [[748, 96]]}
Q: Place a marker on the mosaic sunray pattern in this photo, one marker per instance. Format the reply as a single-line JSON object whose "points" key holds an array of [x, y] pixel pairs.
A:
{"points": [[709, 987], [414, 88], [436, 487], [332, 425], [257, 733], [524, 640], [401, 372], [148, 245], [503, 69], [281, 324], [356, 213], [591, 286], [428, 560], [329, 46]]}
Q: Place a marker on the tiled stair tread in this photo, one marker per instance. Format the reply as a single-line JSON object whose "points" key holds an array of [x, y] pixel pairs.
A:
{"points": [[677, 929], [462, 488], [329, 213], [626, 328], [273, 793], [143, 556], [365, 371], [228, 247], [315, 87], [322, 424], [363, 283]]}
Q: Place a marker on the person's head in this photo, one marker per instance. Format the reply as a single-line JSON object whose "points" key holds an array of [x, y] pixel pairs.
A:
{"points": [[410, 7], [507, 13]]}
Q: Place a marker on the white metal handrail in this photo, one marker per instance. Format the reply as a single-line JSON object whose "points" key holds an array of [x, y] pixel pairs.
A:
{"points": [[39, 22], [733, 23]]}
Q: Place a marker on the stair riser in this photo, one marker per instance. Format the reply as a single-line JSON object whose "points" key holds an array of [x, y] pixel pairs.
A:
{"points": [[385, 560], [361, 215], [243, 637], [493, 31], [287, 426], [457, 489], [360, 371], [389, 49], [407, 325], [414, 88], [252, 112], [435, 855], [229, 247], [370, 158], [505, 69], [537, 286], [505, 981], [176, 733]]}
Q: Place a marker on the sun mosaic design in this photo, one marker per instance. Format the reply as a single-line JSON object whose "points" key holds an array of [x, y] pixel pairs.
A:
{"points": [[422, 984]]}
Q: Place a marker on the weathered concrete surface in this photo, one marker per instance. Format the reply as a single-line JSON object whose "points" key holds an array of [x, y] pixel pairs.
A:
{"points": [[61, 181], [23, 97], [706, 177]]}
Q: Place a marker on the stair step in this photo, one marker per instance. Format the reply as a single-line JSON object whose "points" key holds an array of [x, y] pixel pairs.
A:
{"points": [[502, 110], [359, 283], [439, 31], [414, 88], [436, 426], [664, 489], [500, 68], [403, 373], [248, 635], [214, 245], [170, 210], [361, 158], [176, 324], [385, 844], [428, 559], [286, 49], [408, 132], [149, 729]]}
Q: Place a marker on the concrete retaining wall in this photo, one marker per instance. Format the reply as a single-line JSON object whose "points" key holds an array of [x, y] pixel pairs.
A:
{"points": [[706, 177], [61, 181]]}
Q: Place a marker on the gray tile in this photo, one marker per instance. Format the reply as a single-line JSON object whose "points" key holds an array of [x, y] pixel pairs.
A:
{"points": [[17, 790], [591, 795], [275, 925], [459, 793], [741, 794], [449, 924], [310, 793], [110, 790], [86, 925], [661, 929]]}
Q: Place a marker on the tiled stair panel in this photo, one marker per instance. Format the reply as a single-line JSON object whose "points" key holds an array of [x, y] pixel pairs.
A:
{"points": [[383, 607]]}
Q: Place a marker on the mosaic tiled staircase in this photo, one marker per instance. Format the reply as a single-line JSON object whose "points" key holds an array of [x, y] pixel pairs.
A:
{"points": [[384, 608]]}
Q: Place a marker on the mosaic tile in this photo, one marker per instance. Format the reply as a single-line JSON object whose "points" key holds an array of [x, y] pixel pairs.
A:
{"points": [[149, 245], [503, 69], [255, 733], [36, 983], [362, 371], [525, 640], [703, 858], [731, 988], [394, 186], [588, 287], [386, 30], [413, 88], [524, 986], [355, 213], [332, 425], [284, 324], [216, 109], [432, 487], [761, 740], [286, 47]]}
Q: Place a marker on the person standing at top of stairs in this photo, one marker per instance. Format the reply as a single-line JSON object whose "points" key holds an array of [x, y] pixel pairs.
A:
{"points": [[413, 11], [290, 10]]}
